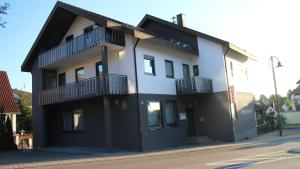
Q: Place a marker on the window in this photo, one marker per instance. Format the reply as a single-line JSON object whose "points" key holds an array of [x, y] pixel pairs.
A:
{"points": [[67, 121], [149, 65], [169, 69], [231, 69], [79, 73], [69, 38], [154, 115], [170, 113], [196, 70], [78, 120], [73, 121], [99, 68], [186, 70], [61, 79]]}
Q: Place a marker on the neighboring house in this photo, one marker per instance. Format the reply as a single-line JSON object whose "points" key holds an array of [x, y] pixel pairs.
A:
{"points": [[99, 82], [295, 97], [7, 101]]}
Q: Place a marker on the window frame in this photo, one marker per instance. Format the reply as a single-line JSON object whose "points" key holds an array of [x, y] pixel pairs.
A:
{"points": [[76, 75], [59, 78], [63, 121], [196, 67], [73, 121], [172, 65], [72, 112], [176, 123], [188, 66], [151, 58], [97, 70], [161, 120]]}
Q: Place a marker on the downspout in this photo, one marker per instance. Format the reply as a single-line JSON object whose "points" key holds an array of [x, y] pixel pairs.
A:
{"points": [[137, 96], [228, 90]]}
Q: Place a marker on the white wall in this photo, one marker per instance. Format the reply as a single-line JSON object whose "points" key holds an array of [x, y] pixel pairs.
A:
{"points": [[78, 26], [123, 63], [211, 63], [160, 84], [243, 78], [89, 69]]}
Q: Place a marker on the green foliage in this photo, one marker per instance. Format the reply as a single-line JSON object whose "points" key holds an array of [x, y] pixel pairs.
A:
{"points": [[10, 145], [3, 11], [24, 120], [6, 133]]}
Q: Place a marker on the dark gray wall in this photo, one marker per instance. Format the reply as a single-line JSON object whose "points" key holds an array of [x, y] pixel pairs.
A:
{"points": [[124, 123], [166, 136], [245, 123], [38, 115], [213, 110]]}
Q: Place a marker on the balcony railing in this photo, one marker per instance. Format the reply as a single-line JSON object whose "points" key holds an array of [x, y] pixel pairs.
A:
{"points": [[97, 86], [80, 44], [193, 85]]}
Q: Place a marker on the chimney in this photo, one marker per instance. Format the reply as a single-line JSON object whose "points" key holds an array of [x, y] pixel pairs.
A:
{"points": [[181, 20]]}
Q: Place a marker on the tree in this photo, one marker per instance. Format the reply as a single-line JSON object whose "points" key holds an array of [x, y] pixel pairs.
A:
{"points": [[9, 137], [24, 120], [3, 11]]}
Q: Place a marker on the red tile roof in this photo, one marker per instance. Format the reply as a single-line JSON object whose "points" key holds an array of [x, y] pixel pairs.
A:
{"points": [[7, 100]]}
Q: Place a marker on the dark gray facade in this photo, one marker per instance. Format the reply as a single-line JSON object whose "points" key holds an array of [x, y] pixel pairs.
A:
{"points": [[123, 120]]}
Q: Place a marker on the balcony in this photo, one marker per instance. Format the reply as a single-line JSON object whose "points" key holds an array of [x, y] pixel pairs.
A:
{"points": [[97, 86], [80, 44], [193, 85]]}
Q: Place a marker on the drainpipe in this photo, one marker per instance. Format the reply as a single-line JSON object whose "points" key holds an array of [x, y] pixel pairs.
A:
{"points": [[137, 96], [227, 81]]}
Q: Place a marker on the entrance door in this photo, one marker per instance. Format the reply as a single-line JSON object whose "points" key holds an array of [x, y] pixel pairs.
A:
{"points": [[190, 121]]}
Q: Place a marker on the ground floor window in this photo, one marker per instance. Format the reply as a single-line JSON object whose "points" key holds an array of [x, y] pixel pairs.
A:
{"points": [[73, 120], [154, 115], [170, 113], [67, 121]]}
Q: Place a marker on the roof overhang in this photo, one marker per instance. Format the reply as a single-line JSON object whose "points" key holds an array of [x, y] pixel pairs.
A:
{"points": [[224, 43]]}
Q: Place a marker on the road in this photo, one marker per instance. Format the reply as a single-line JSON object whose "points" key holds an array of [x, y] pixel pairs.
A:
{"points": [[272, 154]]}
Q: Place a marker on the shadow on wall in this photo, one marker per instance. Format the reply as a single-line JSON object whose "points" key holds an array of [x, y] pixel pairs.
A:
{"points": [[244, 118]]}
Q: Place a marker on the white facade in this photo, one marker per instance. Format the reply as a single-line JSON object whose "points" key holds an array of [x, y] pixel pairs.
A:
{"points": [[159, 83], [211, 63], [78, 26], [240, 72]]}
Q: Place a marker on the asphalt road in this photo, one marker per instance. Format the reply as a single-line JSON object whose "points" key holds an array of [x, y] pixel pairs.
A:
{"points": [[271, 154]]}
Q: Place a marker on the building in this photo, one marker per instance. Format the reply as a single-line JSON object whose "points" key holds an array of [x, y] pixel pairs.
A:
{"points": [[295, 97], [99, 82], [8, 103]]}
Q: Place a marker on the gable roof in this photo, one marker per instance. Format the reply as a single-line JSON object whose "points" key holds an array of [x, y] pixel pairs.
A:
{"points": [[149, 18], [7, 100], [58, 23]]}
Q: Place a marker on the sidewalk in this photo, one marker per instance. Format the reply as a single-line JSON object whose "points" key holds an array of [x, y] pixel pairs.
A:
{"points": [[52, 158]]}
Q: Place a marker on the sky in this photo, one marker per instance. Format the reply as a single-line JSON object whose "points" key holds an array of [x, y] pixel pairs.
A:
{"points": [[263, 27]]}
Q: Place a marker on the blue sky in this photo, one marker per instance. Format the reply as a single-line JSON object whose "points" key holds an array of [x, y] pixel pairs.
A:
{"points": [[264, 28]]}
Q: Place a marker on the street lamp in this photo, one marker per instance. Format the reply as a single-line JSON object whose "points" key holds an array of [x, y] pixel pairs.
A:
{"points": [[275, 86]]}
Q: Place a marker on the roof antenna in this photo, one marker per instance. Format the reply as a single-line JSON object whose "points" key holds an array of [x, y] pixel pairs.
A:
{"points": [[174, 19]]}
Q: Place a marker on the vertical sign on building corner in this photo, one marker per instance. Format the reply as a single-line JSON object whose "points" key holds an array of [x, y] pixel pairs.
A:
{"points": [[232, 94]]}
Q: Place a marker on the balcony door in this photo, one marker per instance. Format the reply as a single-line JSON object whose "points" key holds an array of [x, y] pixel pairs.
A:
{"points": [[62, 79], [186, 70], [88, 36]]}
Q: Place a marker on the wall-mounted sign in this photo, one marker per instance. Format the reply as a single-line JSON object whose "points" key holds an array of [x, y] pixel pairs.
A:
{"points": [[182, 116], [232, 94]]}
